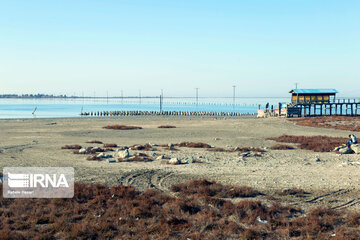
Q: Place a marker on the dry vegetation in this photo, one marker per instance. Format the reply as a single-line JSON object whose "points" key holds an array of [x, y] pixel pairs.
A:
{"points": [[336, 122], [75, 146], [137, 157], [90, 150], [93, 157], [248, 149], [110, 145], [315, 143], [95, 141], [206, 188], [166, 126], [298, 192], [145, 147], [122, 127], [193, 145], [281, 147], [198, 212]]}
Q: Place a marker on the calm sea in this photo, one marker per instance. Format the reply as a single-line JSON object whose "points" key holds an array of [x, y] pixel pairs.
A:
{"points": [[72, 107]]}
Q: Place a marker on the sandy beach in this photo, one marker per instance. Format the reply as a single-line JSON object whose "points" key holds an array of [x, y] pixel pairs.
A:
{"points": [[332, 181]]}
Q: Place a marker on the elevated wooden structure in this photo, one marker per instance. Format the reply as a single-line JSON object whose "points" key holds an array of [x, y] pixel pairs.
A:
{"points": [[301, 96], [320, 102]]}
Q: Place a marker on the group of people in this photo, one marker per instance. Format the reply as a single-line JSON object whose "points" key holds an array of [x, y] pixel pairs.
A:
{"points": [[353, 140]]}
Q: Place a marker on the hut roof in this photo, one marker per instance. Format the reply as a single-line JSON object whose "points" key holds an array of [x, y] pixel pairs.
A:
{"points": [[314, 91]]}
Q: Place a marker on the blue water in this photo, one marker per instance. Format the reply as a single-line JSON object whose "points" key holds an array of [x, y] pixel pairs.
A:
{"points": [[50, 108]]}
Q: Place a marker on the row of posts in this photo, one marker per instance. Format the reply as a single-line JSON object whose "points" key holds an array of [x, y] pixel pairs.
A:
{"points": [[163, 113]]}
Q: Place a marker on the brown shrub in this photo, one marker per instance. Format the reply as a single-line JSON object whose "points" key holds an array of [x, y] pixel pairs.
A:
{"points": [[122, 127], [146, 147], [121, 212], [281, 147], [336, 122], [166, 126], [354, 219], [110, 145], [315, 143], [291, 191], [248, 149], [216, 149], [193, 145], [93, 158], [204, 187], [75, 146], [95, 141]]}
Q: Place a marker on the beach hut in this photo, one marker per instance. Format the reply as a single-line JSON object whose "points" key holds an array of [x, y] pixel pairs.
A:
{"points": [[309, 96]]}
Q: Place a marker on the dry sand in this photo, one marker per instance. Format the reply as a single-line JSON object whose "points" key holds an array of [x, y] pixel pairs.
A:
{"points": [[333, 181]]}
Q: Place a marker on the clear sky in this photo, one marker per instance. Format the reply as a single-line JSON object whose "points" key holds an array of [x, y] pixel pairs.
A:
{"points": [[261, 46]]}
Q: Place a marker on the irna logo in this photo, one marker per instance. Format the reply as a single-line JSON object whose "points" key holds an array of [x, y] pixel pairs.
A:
{"points": [[36, 180]]}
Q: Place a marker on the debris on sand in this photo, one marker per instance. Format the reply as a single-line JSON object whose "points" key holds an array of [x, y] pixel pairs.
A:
{"points": [[122, 127], [89, 150], [75, 146], [146, 147], [93, 158], [193, 145], [315, 143], [166, 126], [281, 147], [110, 145], [137, 157], [95, 141]]}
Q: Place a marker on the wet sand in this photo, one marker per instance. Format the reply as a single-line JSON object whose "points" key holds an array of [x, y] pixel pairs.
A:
{"points": [[333, 181]]}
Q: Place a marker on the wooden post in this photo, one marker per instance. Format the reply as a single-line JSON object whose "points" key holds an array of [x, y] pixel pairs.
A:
{"points": [[341, 107], [330, 109], [321, 109], [279, 109]]}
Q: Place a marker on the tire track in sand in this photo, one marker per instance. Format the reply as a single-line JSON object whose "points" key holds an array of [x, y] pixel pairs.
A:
{"points": [[154, 178]]}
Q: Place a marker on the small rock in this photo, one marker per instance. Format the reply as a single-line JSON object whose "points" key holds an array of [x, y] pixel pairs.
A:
{"points": [[317, 159], [161, 157], [153, 154], [153, 144], [184, 161], [228, 146], [247, 154], [82, 151], [173, 161], [103, 155], [216, 139], [124, 154], [171, 146], [111, 161]]}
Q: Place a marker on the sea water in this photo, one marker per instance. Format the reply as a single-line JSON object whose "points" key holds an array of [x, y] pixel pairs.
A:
{"points": [[72, 107]]}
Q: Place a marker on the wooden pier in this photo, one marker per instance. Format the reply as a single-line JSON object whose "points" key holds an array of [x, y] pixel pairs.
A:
{"points": [[339, 107]]}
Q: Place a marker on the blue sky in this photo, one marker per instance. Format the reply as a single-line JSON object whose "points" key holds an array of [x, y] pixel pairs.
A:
{"points": [[261, 46]]}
